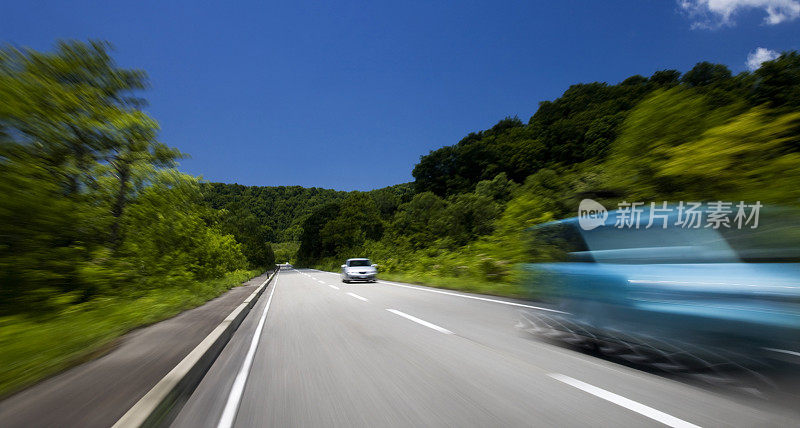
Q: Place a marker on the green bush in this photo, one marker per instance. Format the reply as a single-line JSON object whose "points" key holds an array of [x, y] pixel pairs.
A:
{"points": [[34, 347]]}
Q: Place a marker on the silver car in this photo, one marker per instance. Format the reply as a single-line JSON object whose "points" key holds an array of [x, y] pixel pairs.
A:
{"points": [[359, 270]]}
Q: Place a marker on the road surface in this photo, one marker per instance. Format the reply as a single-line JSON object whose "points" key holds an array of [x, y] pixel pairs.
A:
{"points": [[317, 352], [98, 392]]}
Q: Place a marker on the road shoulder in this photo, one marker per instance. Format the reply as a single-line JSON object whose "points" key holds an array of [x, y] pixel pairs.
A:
{"points": [[99, 392]]}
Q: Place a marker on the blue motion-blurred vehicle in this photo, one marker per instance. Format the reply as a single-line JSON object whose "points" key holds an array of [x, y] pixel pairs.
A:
{"points": [[674, 297]]}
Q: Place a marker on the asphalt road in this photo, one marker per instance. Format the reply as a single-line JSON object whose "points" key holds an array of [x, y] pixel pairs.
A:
{"points": [[317, 352]]}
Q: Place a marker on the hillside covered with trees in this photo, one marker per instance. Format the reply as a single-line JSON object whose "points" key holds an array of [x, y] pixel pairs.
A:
{"points": [[705, 134]]}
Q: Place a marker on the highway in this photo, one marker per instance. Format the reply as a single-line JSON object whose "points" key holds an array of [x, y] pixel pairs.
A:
{"points": [[317, 352]]}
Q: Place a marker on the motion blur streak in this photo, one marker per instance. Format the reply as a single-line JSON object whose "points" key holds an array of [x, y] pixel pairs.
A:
{"points": [[677, 299], [381, 369]]}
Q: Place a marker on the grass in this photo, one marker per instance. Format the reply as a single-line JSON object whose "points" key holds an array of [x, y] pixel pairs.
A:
{"points": [[466, 283], [470, 285], [33, 349]]}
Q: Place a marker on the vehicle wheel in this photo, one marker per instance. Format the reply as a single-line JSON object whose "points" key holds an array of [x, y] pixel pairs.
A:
{"points": [[345, 281]]}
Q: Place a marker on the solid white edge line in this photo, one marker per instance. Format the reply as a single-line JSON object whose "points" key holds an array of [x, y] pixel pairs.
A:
{"points": [[235, 396], [629, 404], [141, 411], [358, 297], [485, 299], [419, 321]]}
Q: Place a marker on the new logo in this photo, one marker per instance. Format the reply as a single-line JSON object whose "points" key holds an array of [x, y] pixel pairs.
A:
{"points": [[591, 214]]}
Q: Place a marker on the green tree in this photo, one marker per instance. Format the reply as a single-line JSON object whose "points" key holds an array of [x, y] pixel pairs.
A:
{"points": [[663, 121], [174, 244], [705, 74], [418, 222], [311, 243], [358, 220], [468, 216], [753, 156], [665, 78], [778, 82], [499, 189], [77, 153], [254, 236]]}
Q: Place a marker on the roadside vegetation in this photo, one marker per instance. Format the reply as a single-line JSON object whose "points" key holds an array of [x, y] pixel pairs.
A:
{"points": [[32, 348], [702, 135], [99, 233]]}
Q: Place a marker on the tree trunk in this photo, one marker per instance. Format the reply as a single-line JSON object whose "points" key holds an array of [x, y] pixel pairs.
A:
{"points": [[124, 173]]}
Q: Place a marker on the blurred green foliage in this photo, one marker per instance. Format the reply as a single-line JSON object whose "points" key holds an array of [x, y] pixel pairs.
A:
{"points": [[34, 348], [92, 204], [703, 135], [99, 233], [286, 252]]}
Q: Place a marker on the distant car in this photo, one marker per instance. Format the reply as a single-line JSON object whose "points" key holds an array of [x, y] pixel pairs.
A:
{"points": [[359, 270], [671, 295]]}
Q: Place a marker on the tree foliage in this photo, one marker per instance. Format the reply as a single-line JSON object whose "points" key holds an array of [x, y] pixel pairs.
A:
{"points": [[703, 135], [91, 202]]}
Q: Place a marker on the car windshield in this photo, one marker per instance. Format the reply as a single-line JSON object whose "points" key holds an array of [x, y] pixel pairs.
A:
{"points": [[363, 262], [656, 245]]}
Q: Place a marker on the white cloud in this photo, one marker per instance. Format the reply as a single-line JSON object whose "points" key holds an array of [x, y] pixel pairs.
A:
{"points": [[716, 13], [756, 57]]}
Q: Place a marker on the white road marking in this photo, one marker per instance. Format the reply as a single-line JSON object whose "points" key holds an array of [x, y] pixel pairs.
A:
{"points": [[235, 396], [619, 400], [485, 299], [784, 351], [358, 297], [332, 286], [419, 321], [320, 281]]}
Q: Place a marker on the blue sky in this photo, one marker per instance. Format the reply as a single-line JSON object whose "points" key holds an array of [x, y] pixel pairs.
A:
{"points": [[348, 95]]}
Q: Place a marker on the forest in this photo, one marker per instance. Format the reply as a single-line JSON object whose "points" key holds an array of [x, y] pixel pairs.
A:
{"points": [[704, 134]]}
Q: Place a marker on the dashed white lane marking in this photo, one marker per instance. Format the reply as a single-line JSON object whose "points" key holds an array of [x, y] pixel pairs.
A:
{"points": [[358, 297], [485, 299], [235, 396], [419, 321], [332, 286], [619, 400], [320, 281]]}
